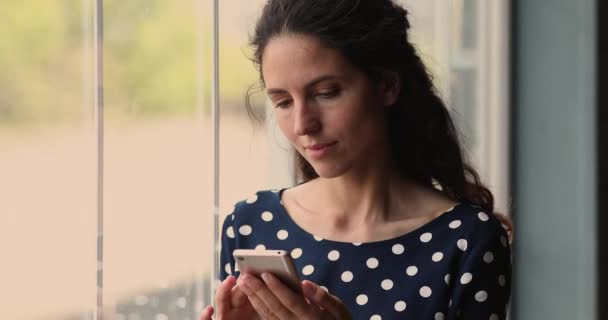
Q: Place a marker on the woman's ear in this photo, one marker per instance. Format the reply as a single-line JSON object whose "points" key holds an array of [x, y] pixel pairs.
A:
{"points": [[390, 87]]}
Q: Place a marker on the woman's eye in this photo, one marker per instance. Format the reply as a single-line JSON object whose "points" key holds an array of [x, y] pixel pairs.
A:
{"points": [[327, 94], [283, 104]]}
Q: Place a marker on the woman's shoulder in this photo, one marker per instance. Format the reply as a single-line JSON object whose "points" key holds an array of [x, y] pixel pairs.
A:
{"points": [[259, 202], [481, 228]]}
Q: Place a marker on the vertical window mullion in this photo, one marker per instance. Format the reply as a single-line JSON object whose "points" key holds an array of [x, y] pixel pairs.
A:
{"points": [[99, 106], [215, 96]]}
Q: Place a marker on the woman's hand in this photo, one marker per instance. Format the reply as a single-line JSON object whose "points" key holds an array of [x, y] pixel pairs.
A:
{"points": [[231, 303], [273, 300]]}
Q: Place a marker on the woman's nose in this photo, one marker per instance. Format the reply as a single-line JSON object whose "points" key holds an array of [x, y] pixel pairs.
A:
{"points": [[306, 121]]}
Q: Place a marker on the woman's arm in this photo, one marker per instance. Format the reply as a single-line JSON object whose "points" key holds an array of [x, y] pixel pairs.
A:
{"points": [[482, 285]]}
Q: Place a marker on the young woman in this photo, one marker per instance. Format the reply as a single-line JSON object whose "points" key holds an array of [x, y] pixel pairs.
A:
{"points": [[389, 221]]}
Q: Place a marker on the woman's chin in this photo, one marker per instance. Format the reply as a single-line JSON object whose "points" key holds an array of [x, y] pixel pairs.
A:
{"points": [[328, 172]]}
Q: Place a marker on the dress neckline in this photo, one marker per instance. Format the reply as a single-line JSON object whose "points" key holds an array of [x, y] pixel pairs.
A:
{"points": [[412, 234]]}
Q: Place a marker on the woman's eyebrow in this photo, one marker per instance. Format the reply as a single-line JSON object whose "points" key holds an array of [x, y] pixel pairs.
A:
{"points": [[308, 85]]}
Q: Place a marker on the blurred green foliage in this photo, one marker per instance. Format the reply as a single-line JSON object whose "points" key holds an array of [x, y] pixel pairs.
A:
{"points": [[157, 60]]}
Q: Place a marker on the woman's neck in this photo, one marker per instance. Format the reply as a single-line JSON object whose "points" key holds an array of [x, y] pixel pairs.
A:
{"points": [[371, 198]]}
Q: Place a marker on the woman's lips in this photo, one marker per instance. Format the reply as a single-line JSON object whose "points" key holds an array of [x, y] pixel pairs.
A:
{"points": [[318, 151]]}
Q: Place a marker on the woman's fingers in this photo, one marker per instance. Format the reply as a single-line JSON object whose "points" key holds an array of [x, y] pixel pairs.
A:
{"points": [[238, 298], [286, 296], [222, 296], [207, 313], [262, 299], [328, 302]]}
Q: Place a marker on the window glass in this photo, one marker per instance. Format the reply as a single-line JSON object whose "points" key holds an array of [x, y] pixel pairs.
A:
{"points": [[253, 153], [47, 160], [464, 44], [157, 143], [157, 159]]}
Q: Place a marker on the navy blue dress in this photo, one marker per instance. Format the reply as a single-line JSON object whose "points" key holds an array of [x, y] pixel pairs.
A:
{"points": [[457, 266]]}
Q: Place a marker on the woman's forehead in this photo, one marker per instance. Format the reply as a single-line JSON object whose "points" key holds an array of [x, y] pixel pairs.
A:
{"points": [[300, 59]]}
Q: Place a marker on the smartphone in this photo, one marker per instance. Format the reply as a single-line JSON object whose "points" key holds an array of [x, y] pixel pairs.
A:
{"points": [[277, 262]]}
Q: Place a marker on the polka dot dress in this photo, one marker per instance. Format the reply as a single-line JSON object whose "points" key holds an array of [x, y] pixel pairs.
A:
{"points": [[455, 267]]}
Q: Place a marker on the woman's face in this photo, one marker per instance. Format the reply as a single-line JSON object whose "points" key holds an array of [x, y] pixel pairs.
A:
{"points": [[328, 109]]}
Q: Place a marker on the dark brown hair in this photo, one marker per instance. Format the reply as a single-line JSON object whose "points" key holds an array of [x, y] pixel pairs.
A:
{"points": [[372, 35]]}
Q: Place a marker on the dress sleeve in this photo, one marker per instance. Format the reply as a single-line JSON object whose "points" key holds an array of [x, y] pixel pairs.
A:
{"points": [[482, 285], [227, 263]]}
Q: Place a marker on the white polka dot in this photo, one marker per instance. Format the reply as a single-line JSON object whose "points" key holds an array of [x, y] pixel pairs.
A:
{"points": [[267, 216], [372, 263], [439, 316], [398, 249], [494, 316], [450, 303], [481, 296], [483, 216], [501, 280], [503, 241], [437, 256], [455, 224], [318, 238], [252, 199], [296, 253], [387, 284], [462, 244], [357, 243], [362, 299], [347, 276], [230, 232], [488, 257], [161, 316], [282, 234], [245, 230], [411, 270], [333, 255], [227, 268], [260, 247], [425, 292], [375, 317], [466, 278], [236, 268], [308, 270], [232, 217], [400, 306], [426, 237], [447, 278]]}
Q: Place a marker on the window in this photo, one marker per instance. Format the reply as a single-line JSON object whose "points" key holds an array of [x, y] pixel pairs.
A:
{"points": [[139, 171]]}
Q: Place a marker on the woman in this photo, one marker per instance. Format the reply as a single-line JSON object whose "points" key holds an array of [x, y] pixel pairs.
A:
{"points": [[389, 222]]}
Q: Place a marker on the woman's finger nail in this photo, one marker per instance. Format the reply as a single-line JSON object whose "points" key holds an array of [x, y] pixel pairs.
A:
{"points": [[307, 289], [207, 312], [266, 277]]}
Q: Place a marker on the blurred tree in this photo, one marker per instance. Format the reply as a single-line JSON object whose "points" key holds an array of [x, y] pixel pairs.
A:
{"points": [[150, 61]]}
